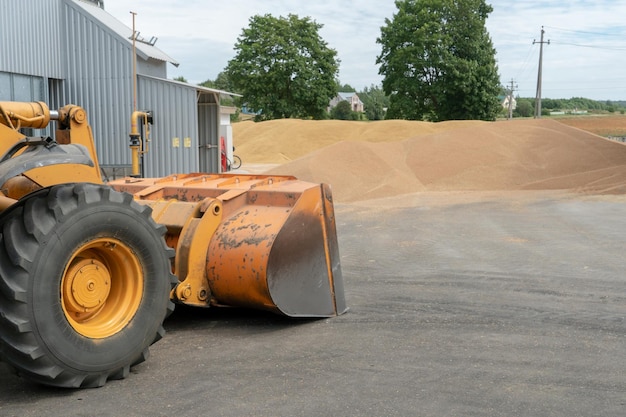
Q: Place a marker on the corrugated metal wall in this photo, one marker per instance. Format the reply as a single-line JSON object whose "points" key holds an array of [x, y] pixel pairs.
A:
{"points": [[30, 38], [19, 87], [56, 93], [82, 61], [98, 77], [101, 82], [209, 132], [174, 134]]}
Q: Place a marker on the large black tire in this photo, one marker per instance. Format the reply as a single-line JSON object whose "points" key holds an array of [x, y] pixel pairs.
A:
{"points": [[85, 277]]}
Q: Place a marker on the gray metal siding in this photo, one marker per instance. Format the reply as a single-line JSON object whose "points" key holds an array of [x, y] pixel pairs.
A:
{"points": [[56, 93], [6, 86], [209, 138], [30, 38], [99, 78], [152, 68], [174, 135], [57, 51], [19, 87]]}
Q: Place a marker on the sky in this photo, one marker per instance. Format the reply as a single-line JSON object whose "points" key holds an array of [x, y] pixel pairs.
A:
{"points": [[585, 56]]}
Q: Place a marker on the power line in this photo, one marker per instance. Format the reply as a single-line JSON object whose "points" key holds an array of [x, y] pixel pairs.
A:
{"points": [[591, 46], [574, 45], [522, 69], [620, 35]]}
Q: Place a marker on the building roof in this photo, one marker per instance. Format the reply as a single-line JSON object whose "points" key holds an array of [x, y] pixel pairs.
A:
{"points": [[198, 88], [144, 49], [346, 95]]}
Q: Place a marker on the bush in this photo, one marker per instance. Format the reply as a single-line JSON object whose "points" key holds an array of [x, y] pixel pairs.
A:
{"points": [[524, 108], [342, 111]]}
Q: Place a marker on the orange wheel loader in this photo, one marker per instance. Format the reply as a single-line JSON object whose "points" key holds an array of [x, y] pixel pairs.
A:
{"points": [[89, 271]]}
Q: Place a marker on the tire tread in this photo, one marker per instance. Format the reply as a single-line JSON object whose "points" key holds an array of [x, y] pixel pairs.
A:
{"points": [[23, 228]]}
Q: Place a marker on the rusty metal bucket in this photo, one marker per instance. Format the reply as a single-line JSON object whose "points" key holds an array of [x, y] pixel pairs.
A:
{"points": [[266, 242]]}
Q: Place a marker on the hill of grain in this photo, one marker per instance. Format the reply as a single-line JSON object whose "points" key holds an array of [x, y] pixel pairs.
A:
{"points": [[364, 160]]}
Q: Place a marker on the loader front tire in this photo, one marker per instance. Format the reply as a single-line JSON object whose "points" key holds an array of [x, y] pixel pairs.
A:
{"points": [[85, 277]]}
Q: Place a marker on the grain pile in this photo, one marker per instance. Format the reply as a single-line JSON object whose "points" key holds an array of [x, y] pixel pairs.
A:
{"points": [[365, 160]]}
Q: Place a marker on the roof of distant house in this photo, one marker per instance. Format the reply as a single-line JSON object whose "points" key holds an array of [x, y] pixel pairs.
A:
{"points": [[346, 95]]}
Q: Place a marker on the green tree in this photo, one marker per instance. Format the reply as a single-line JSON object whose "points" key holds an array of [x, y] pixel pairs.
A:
{"points": [[342, 111], [346, 88], [438, 61], [524, 108], [375, 102], [284, 68], [551, 104], [222, 82]]}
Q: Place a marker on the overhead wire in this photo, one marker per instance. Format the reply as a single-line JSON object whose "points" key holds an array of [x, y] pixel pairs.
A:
{"points": [[526, 63], [620, 47], [590, 46], [572, 41], [621, 35]]}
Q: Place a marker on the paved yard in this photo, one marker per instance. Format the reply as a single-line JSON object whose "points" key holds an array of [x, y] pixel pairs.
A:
{"points": [[463, 305]]}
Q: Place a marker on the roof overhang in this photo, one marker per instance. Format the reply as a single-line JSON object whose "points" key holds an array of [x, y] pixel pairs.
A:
{"points": [[144, 50]]}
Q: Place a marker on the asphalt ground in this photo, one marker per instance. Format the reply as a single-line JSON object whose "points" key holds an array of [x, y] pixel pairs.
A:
{"points": [[460, 305]]}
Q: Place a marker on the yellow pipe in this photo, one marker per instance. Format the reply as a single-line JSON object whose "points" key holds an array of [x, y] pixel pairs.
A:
{"points": [[20, 114], [135, 141]]}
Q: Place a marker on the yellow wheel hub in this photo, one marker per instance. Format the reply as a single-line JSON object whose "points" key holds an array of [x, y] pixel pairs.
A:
{"points": [[87, 286], [102, 288]]}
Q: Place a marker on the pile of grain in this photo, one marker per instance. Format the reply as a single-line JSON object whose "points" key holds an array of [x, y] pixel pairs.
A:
{"points": [[381, 159]]}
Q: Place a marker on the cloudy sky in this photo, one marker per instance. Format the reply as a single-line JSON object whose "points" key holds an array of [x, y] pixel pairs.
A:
{"points": [[586, 56]]}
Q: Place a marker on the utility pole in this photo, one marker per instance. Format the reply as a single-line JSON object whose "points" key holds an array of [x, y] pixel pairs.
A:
{"points": [[538, 95], [134, 63], [511, 90]]}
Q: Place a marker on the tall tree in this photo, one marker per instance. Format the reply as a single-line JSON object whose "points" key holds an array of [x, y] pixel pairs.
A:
{"points": [[222, 82], [284, 68], [438, 61], [375, 102], [346, 88]]}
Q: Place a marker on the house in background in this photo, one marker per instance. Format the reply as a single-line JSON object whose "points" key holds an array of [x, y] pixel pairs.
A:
{"points": [[508, 101], [351, 97]]}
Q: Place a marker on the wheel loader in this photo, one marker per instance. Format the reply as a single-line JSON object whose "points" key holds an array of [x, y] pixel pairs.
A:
{"points": [[89, 269]]}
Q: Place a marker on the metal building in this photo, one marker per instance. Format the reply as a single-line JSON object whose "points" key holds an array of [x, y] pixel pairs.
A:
{"points": [[73, 51]]}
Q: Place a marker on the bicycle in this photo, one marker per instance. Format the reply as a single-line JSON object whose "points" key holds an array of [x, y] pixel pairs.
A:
{"points": [[235, 163]]}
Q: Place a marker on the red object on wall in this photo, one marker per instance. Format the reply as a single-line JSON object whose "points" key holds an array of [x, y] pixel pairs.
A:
{"points": [[223, 152]]}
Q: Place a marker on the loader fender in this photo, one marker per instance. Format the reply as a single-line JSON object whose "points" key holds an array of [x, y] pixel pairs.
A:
{"points": [[42, 156]]}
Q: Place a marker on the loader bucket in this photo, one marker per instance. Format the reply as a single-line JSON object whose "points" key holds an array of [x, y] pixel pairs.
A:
{"points": [[274, 248], [279, 257]]}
